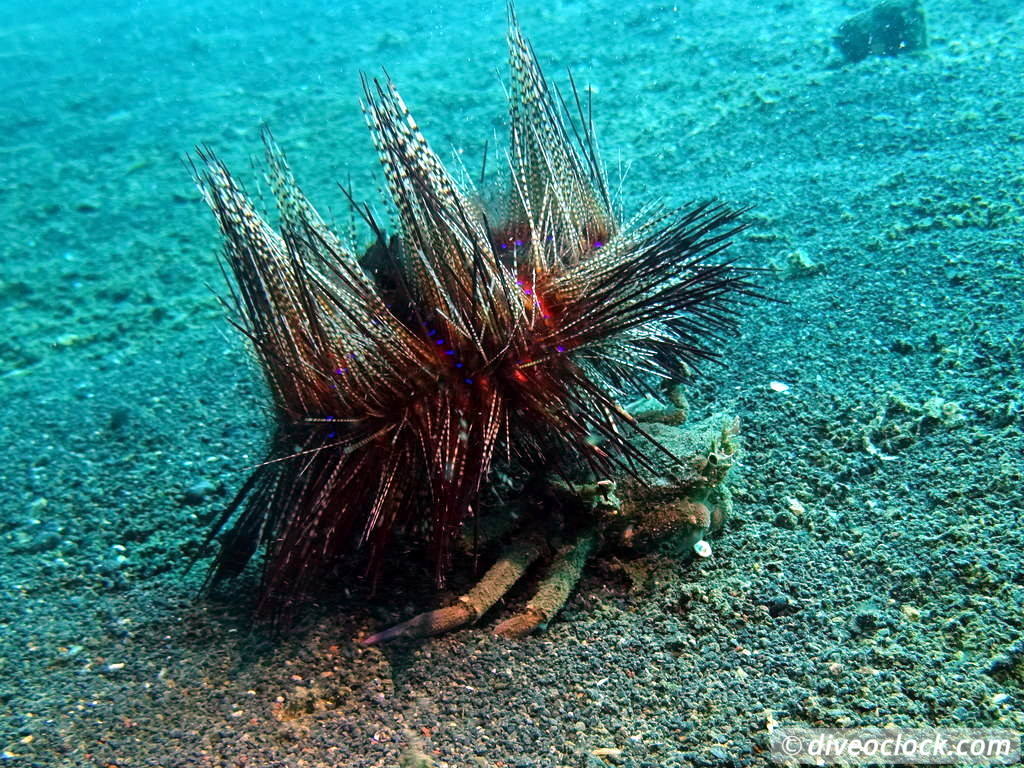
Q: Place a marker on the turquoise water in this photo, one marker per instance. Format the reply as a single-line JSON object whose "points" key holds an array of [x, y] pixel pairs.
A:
{"points": [[871, 571]]}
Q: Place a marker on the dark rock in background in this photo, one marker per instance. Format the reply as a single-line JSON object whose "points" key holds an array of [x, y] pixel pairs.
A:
{"points": [[890, 28]]}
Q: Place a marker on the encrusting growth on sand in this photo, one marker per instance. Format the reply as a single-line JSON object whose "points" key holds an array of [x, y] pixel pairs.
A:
{"points": [[483, 336]]}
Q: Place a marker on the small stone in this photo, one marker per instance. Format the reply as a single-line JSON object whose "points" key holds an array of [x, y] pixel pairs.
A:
{"points": [[797, 264], [68, 340], [780, 605], [196, 493], [785, 520], [36, 537], [119, 418], [890, 28], [865, 620]]}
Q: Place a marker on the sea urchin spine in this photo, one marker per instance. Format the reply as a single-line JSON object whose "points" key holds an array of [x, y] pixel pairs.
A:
{"points": [[487, 333]]}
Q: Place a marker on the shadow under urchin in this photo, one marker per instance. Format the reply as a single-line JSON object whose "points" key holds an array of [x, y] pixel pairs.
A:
{"points": [[484, 334]]}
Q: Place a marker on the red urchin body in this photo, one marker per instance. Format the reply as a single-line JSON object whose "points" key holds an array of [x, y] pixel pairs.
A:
{"points": [[511, 338]]}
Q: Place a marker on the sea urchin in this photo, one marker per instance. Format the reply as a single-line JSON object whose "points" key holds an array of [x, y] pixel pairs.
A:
{"points": [[483, 332]]}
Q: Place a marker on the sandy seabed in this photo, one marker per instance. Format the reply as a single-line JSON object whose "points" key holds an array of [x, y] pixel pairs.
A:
{"points": [[872, 571]]}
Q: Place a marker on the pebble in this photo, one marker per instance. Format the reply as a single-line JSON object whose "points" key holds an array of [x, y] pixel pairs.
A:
{"points": [[196, 493], [35, 538], [912, 613]]}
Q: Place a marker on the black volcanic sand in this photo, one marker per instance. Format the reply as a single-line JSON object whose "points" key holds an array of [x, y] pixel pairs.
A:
{"points": [[872, 571]]}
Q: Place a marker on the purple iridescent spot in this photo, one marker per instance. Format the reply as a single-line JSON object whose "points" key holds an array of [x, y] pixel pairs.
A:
{"points": [[519, 282], [331, 435], [468, 381], [527, 291], [439, 341], [598, 244], [504, 245], [339, 371], [519, 242], [560, 349]]}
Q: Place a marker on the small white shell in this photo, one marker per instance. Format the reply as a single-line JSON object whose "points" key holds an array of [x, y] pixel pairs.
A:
{"points": [[702, 548]]}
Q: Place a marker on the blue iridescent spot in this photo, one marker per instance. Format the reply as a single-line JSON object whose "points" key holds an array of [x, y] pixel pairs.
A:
{"points": [[598, 244], [560, 348], [468, 381], [331, 435], [431, 332], [339, 371], [519, 242], [450, 352], [458, 365], [439, 341], [504, 246]]}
